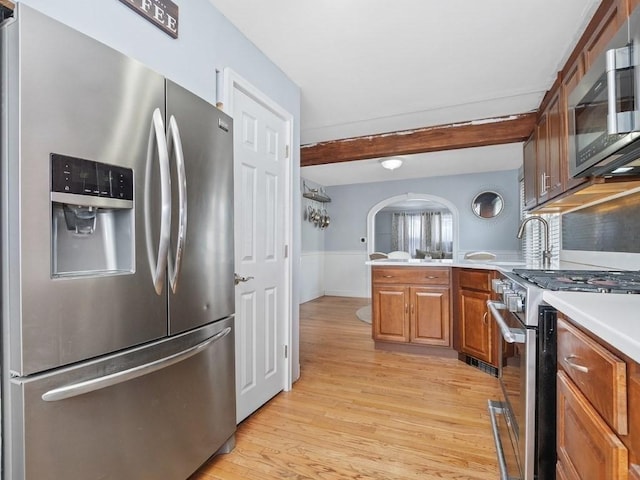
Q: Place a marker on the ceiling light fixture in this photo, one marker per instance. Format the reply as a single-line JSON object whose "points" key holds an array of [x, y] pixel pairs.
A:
{"points": [[391, 163]]}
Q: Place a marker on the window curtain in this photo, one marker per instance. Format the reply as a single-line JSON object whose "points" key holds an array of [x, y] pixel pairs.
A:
{"points": [[430, 232]]}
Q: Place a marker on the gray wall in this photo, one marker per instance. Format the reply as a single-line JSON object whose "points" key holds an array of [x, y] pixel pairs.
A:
{"points": [[351, 204], [384, 224], [207, 41]]}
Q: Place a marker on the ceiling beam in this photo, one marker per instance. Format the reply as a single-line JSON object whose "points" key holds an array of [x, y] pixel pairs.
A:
{"points": [[492, 131]]}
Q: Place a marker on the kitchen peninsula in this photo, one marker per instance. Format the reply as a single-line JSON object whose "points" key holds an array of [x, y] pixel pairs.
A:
{"points": [[435, 307], [439, 307]]}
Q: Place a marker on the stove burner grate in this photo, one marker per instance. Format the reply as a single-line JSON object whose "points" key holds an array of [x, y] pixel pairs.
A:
{"points": [[599, 281]]}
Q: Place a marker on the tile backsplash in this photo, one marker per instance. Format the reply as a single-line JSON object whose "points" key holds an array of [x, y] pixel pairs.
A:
{"points": [[612, 226]]}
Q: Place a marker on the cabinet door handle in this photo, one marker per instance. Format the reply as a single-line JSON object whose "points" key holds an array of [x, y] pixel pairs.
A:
{"points": [[569, 360], [544, 187], [484, 318], [406, 308]]}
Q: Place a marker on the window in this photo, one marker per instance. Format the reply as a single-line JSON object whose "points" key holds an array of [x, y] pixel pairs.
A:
{"points": [[423, 233], [532, 241]]}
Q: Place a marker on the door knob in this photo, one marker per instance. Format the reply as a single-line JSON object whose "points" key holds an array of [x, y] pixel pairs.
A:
{"points": [[238, 279]]}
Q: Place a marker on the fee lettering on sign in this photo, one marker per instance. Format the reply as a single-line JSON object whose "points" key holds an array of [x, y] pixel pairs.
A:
{"points": [[162, 13]]}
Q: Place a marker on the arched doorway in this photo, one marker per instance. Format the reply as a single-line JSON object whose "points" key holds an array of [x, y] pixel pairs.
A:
{"points": [[412, 201]]}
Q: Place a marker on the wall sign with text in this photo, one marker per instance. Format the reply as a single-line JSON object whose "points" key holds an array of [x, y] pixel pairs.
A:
{"points": [[162, 13]]}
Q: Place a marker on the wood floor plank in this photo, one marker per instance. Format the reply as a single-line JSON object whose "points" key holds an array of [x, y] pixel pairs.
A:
{"points": [[365, 414]]}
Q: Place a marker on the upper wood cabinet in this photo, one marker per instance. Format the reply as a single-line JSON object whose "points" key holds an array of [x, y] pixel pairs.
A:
{"points": [[545, 156], [546, 167], [570, 76], [613, 15], [530, 167], [550, 158]]}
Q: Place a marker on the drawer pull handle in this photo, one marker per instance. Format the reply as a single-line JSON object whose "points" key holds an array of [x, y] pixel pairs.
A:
{"points": [[388, 276], [430, 277], [569, 361]]}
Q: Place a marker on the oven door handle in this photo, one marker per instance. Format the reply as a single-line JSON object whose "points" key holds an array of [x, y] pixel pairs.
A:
{"points": [[510, 335]]}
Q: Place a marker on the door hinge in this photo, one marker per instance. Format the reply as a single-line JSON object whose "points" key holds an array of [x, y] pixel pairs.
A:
{"points": [[286, 151], [286, 351], [286, 251]]}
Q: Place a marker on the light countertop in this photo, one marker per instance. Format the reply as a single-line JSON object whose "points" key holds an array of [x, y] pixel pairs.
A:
{"points": [[480, 264], [503, 266], [615, 318]]}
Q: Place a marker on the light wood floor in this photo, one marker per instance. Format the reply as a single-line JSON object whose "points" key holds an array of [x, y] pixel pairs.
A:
{"points": [[360, 413]]}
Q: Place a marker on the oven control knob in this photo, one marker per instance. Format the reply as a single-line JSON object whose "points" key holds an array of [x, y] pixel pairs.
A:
{"points": [[500, 286], [514, 302]]}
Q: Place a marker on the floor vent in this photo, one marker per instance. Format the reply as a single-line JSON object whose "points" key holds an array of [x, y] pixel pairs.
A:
{"points": [[480, 365]]}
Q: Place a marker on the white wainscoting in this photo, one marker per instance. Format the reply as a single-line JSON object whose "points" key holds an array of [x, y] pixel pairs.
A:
{"points": [[346, 274], [312, 270], [343, 274]]}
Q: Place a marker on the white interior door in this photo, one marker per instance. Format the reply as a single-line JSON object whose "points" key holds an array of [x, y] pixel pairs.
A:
{"points": [[261, 226]]}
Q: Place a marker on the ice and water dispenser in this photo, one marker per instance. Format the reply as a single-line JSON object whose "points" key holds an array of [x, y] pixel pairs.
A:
{"points": [[92, 218]]}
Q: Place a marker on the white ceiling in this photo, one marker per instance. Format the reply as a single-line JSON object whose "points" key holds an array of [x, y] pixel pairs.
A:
{"points": [[375, 66]]}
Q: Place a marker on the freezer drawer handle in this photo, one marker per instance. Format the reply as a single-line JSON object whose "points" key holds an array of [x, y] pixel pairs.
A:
{"points": [[510, 335], [94, 384], [175, 146]]}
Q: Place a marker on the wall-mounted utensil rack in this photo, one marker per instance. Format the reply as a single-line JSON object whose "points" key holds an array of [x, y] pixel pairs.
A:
{"points": [[316, 194], [316, 214]]}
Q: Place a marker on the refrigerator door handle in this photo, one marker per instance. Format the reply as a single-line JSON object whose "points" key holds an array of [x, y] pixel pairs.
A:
{"points": [[157, 140], [175, 145], [99, 383]]}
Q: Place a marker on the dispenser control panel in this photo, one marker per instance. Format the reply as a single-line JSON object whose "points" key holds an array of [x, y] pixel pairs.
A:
{"points": [[86, 177]]}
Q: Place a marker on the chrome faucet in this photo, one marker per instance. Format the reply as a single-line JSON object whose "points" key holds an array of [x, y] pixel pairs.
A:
{"points": [[546, 253]]}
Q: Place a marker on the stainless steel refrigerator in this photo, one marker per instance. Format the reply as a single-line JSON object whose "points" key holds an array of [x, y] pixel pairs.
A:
{"points": [[117, 264]]}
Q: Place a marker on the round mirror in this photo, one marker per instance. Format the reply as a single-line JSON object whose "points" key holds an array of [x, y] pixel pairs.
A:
{"points": [[487, 204]]}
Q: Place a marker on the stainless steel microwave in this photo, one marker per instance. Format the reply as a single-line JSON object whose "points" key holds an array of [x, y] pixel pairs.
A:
{"points": [[604, 110]]}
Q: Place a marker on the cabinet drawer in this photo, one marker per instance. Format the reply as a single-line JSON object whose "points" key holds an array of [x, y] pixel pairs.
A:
{"points": [[413, 275], [599, 374], [587, 448], [475, 279]]}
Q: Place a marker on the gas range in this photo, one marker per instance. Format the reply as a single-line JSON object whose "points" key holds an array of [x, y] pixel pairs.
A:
{"points": [[520, 291]]}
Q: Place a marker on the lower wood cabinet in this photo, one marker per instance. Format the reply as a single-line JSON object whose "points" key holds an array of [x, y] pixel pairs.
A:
{"points": [[587, 447], [429, 322], [598, 422], [475, 325], [476, 335], [411, 305]]}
